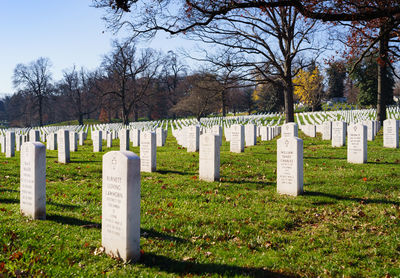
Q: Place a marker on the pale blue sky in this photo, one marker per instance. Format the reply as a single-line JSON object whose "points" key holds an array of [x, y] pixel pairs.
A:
{"points": [[66, 31]]}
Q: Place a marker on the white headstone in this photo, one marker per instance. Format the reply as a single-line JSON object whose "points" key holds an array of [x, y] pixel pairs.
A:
{"points": [[327, 130], [250, 133], [10, 143], [73, 141], [237, 138], [97, 138], [135, 137], [3, 143], [193, 134], [160, 137], [290, 130], [120, 232], [123, 135], [109, 139], [148, 152], [165, 134], [391, 133], [81, 136], [264, 133], [370, 130], [18, 142], [290, 166], [339, 130], [217, 130], [34, 135], [63, 146], [33, 180], [310, 130], [357, 144], [227, 132], [209, 157], [52, 141]]}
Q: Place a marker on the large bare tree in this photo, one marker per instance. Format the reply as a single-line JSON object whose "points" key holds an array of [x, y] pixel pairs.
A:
{"points": [[82, 91], [171, 77], [35, 79], [129, 75], [271, 45]]}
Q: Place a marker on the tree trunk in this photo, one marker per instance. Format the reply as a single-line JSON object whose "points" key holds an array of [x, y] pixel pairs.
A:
{"points": [[288, 94], [135, 113], [80, 120], [109, 115], [382, 76], [223, 97], [40, 102], [125, 116]]}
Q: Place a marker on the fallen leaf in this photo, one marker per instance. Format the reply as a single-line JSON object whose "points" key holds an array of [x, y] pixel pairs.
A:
{"points": [[99, 251]]}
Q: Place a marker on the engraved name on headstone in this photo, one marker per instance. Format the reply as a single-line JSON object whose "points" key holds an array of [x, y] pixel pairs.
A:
{"points": [[33, 180], [209, 157], [120, 232], [290, 166]]}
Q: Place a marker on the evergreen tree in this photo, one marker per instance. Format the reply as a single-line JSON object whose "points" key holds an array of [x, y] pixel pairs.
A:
{"points": [[269, 97], [365, 78], [336, 74]]}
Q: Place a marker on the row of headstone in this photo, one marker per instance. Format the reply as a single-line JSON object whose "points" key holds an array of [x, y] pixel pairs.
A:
{"points": [[120, 234], [121, 179]]}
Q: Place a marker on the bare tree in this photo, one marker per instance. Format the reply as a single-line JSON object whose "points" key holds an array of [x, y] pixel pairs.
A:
{"points": [[82, 91], [202, 96], [172, 74], [227, 65], [270, 45], [129, 75], [35, 79]]}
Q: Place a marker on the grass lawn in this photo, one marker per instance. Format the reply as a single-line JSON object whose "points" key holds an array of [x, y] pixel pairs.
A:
{"points": [[347, 223]]}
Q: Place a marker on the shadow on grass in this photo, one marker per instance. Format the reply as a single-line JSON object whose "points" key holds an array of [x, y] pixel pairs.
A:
{"points": [[381, 163], [263, 183], [8, 201], [182, 268], [354, 199], [62, 205], [146, 233], [72, 221], [85, 161], [165, 172], [326, 157], [150, 233], [8, 190], [268, 152], [15, 201]]}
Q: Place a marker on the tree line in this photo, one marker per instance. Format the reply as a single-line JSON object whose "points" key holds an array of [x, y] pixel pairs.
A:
{"points": [[132, 84]]}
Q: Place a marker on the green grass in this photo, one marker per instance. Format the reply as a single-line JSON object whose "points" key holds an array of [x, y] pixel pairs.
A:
{"points": [[346, 224]]}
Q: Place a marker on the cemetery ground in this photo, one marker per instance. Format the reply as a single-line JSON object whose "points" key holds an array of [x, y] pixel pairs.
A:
{"points": [[347, 222]]}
